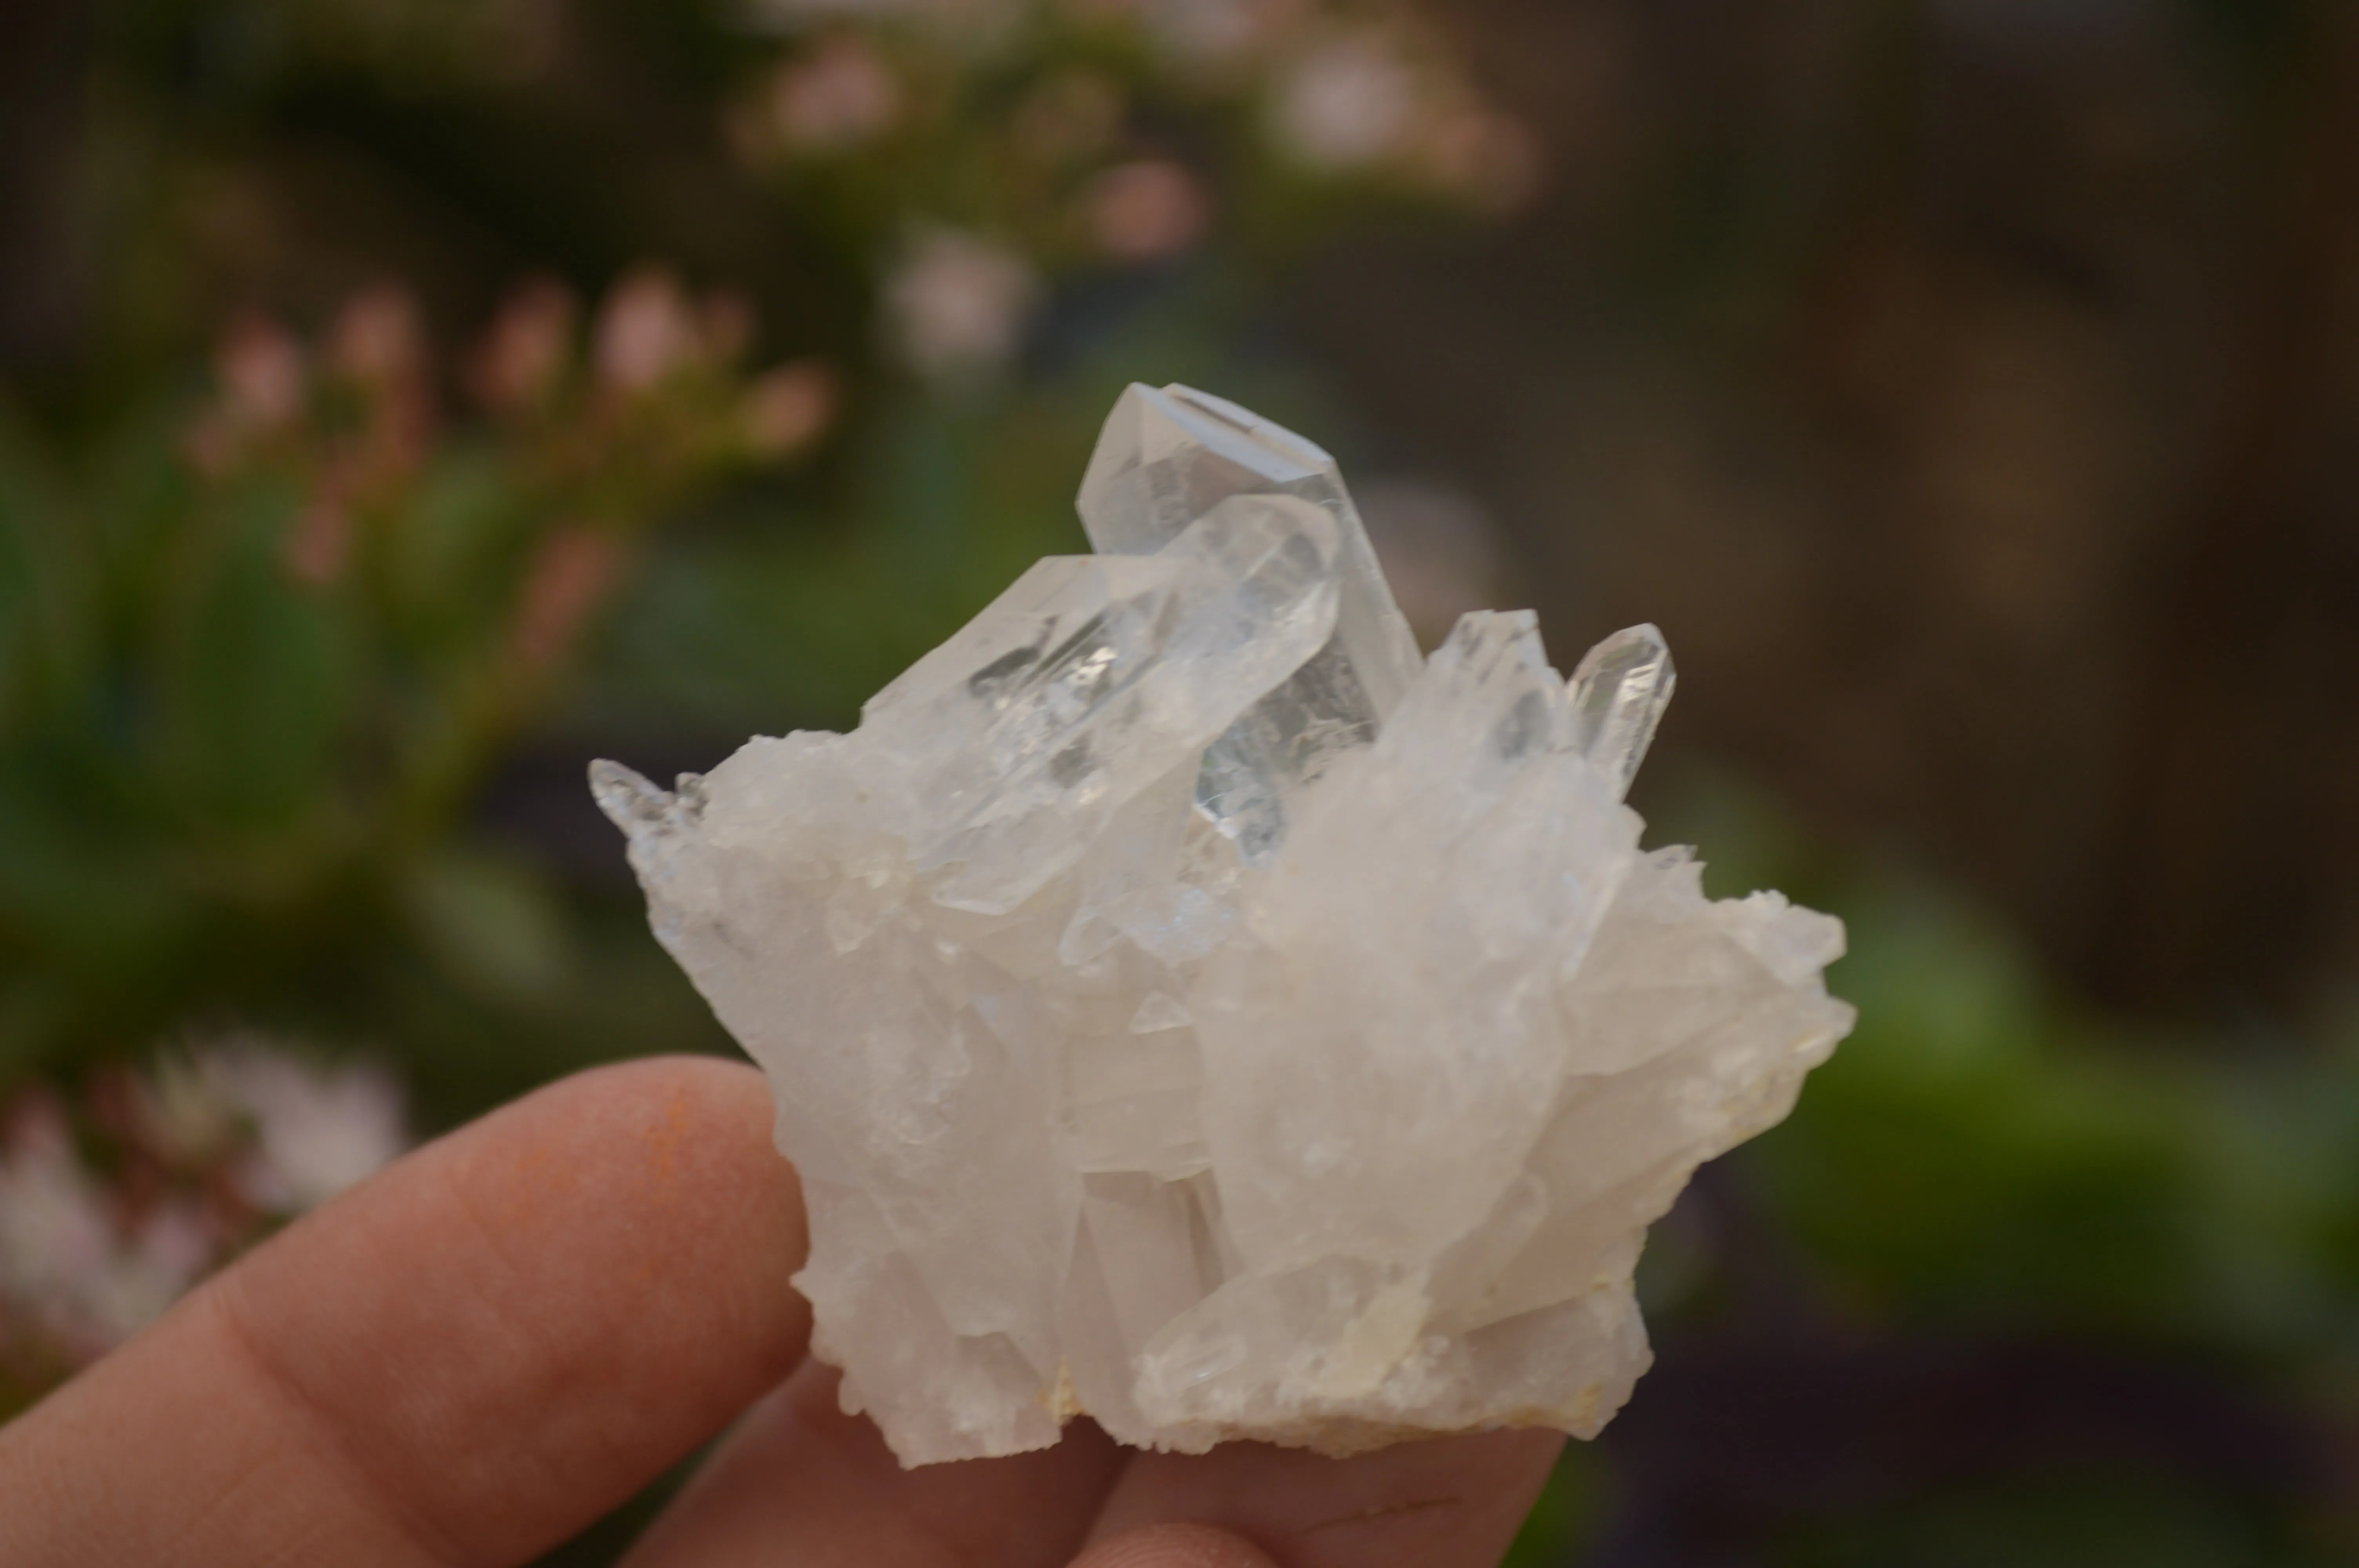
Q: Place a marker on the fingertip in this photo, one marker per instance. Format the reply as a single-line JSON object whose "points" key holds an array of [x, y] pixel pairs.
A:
{"points": [[1446, 1502], [799, 1481], [1175, 1546]]}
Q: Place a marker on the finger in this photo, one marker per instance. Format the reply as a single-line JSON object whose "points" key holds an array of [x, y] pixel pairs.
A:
{"points": [[802, 1482], [458, 1363], [1452, 1502], [1175, 1546]]}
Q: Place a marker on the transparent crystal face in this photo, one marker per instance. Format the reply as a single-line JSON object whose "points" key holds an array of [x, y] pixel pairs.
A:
{"points": [[1619, 691], [1088, 679], [1184, 1005], [1166, 456]]}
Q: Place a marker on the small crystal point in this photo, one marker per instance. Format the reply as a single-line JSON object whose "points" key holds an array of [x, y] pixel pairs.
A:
{"points": [[1166, 457], [631, 801], [1619, 693]]}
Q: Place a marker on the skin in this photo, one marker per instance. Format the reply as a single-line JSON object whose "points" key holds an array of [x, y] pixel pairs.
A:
{"points": [[467, 1359]]}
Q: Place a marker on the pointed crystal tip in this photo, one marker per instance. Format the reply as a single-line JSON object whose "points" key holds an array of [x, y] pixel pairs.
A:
{"points": [[1619, 693], [1169, 456], [631, 801]]}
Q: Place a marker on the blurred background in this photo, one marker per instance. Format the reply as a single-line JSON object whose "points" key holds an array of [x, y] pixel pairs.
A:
{"points": [[402, 402]]}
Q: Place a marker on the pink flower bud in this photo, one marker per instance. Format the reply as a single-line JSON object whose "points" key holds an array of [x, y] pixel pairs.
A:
{"points": [[524, 356], [568, 578], [261, 368], [1150, 209], [644, 332], [786, 408]]}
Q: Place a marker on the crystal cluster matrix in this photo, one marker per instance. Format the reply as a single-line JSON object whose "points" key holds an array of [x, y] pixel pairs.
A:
{"points": [[1188, 1005]]}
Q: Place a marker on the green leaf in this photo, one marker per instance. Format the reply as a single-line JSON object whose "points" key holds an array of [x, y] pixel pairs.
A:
{"points": [[261, 681], [494, 924]]}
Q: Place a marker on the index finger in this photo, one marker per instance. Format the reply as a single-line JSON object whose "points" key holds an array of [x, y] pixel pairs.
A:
{"points": [[461, 1362]]}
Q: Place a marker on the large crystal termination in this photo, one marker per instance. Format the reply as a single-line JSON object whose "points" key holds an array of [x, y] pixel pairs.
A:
{"points": [[1186, 1006]]}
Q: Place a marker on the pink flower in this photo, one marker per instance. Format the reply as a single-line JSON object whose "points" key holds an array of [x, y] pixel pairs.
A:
{"points": [[644, 332], [570, 574], [261, 368], [1348, 103], [523, 356], [66, 1265], [378, 339], [958, 303], [1147, 210], [318, 1129], [259, 365], [786, 408], [87, 1261], [1487, 157], [839, 96]]}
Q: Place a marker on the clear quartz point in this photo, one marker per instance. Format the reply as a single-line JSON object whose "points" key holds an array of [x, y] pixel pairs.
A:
{"points": [[627, 797], [1165, 458], [1619, 692], [1089, 678]]}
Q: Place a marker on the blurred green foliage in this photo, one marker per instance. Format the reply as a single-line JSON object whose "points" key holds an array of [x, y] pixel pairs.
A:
{"points": [[262, 649], [260, 661], [1983, 1163], [274, 640]]}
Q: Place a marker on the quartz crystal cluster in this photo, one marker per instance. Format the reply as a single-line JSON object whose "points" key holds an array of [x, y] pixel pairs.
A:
{"points": [[1188, 1005]]}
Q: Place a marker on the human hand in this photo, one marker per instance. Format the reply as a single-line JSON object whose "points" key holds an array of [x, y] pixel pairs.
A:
{"points": [[468, 1359]]}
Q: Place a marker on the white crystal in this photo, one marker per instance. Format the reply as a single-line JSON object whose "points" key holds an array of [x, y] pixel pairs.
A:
{"points": [[1165, 1034]]}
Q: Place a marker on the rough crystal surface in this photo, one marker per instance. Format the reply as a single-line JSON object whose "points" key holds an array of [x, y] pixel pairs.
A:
{"points": [[1186, 1006]]}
